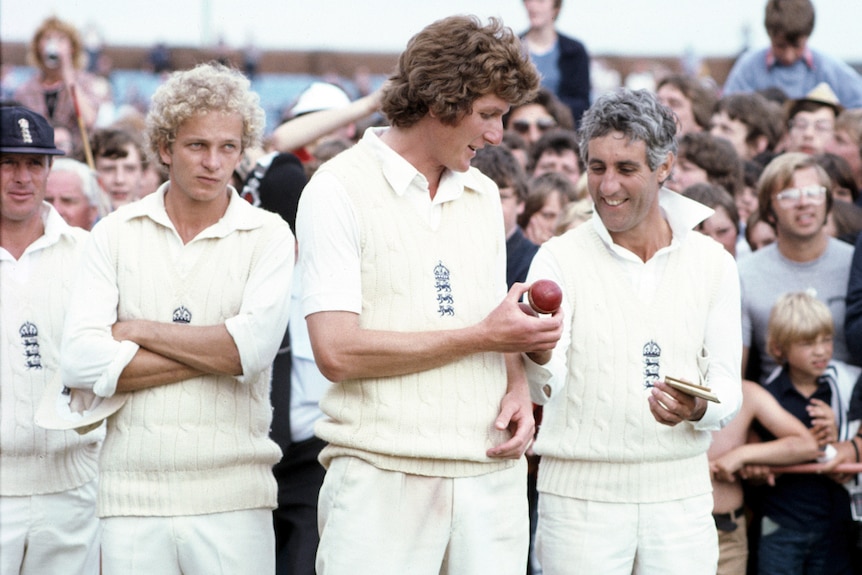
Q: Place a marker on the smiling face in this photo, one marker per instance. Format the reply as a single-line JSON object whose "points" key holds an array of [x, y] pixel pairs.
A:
{"points": [[452, 147], [207, 150], [23, 178], [622, 186]]}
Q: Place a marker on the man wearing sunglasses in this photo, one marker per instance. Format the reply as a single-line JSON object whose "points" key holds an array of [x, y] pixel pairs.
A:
{"points": [[795, 199], [543, 113]]}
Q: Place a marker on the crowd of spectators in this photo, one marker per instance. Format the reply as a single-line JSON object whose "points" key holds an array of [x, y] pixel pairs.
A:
{"points": [[775, 152]]}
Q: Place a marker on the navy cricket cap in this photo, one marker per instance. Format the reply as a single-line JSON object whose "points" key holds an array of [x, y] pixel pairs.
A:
{"points": [[23, 131]]}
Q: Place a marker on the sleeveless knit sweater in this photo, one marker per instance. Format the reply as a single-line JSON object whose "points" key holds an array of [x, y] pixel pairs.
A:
{"points": [[200, 445], [599, 440], [34, 460], [437, 422]]}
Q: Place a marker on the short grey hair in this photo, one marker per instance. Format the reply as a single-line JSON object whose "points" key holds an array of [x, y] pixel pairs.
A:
{"points": [[89, 182], [636, 113]]}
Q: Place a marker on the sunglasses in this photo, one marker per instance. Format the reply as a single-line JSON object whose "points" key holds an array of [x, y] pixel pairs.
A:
{"points": [[542, 124]]}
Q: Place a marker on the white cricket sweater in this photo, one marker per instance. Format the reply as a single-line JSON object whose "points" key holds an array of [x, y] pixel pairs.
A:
{"points": [[35, 297], [200, 445], [438, 422], [599, 440]]}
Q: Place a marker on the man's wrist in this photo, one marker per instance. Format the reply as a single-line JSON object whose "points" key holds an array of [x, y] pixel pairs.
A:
{"points": [[699, 409], [540, 357]]}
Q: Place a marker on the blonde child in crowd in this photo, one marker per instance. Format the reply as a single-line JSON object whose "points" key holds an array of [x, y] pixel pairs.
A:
{"points": [[730, 456], [806, 516]]}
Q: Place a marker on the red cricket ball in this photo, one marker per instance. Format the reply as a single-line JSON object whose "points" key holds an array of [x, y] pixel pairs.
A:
{"points": [[545, 296]]}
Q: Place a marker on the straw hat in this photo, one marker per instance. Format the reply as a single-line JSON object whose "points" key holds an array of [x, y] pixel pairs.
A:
{"points": [[822, 94]]}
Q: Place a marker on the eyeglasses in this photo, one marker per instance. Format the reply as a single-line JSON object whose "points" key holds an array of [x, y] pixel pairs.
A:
{"points": [[790, 196], [542, 124], [821, 126]]}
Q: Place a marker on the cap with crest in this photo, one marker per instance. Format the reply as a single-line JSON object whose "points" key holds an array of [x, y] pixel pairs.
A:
{"points": [[23, 131]]}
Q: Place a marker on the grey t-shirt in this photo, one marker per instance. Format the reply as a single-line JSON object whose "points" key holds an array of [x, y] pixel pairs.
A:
{"points": [[766, 274]]}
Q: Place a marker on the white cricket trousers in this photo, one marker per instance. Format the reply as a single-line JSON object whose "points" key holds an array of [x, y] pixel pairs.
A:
{"points": [[50, 533], [230, 543], [575, 536], [377, 522]]}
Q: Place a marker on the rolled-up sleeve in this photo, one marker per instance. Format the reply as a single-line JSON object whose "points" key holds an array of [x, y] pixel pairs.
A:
{"points": [[258, 328], [548, 381], [723, 340], [90, 356]]}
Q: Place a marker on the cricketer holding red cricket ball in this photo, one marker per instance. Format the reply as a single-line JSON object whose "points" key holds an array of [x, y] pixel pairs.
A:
{"points": [[644, 297]]}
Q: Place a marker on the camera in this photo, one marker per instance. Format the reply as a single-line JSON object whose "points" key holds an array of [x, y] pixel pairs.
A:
{"points": [[52, 54]]}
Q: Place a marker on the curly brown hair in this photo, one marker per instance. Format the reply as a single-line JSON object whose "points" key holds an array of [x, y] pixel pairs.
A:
{"points": [[453, 62]]}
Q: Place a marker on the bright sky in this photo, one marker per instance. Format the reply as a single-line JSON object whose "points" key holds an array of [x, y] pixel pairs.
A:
{"points": [[635, 27]]}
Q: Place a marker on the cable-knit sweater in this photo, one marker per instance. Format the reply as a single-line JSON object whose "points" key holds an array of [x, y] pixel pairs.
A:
{"points": [[438, 422], [35, 296], [599, 440], [200, 445]]}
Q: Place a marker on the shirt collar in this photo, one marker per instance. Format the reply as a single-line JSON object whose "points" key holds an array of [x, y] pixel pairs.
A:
{"points": [[401, 174], [54, 227], [807, 58], [682, 215], [782, 382], [240, 215]]}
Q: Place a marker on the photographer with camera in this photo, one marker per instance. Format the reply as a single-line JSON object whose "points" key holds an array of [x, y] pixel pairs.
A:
{"points": [[57, 52]]}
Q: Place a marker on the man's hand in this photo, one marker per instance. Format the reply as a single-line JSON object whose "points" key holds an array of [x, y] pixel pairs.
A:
{"points": [[509, 329], [516, 415], [670, 406]]}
